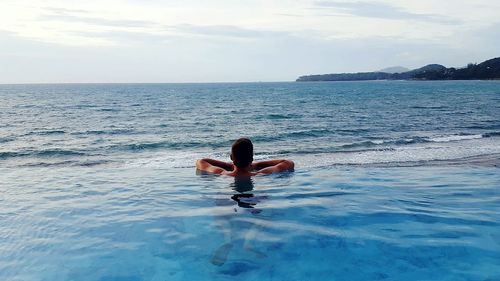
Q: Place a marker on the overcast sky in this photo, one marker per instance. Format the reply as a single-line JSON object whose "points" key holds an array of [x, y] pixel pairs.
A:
{"points": [[226, 40]]}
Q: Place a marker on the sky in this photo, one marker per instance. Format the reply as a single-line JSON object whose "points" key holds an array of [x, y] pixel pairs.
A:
{"points": [[117, 41]]}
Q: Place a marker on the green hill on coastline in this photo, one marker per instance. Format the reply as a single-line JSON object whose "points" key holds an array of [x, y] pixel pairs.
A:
{"points": [[489, 69]]}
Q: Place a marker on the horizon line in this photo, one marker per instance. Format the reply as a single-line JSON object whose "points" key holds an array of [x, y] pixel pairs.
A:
{"points": [[94, 83]]}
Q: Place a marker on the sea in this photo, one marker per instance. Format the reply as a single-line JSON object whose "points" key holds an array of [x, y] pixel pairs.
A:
{"points": [[393, 180]]}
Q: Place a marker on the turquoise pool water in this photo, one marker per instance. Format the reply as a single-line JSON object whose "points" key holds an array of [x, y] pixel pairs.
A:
{"points": [[344, 223]]}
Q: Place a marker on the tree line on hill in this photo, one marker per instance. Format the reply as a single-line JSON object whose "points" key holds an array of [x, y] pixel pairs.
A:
{"points": [[489, 69]]}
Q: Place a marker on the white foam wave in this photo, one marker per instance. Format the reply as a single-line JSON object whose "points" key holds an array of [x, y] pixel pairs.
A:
{"points": [[172, 159], [447, 148], [455, 138], [416, 153]]}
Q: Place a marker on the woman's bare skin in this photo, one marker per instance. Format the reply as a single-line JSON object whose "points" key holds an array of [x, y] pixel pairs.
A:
{"points": [[255, 168]]}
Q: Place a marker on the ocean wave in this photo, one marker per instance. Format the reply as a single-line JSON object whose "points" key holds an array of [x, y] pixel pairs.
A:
{"points": [[485, 151], [73, 163], [418, 139], [308, 133], [105, 132], [383, 145], [45, 132], [481, 154], [112, 149], [292, 135], [354, 131], [374, 143], [494, 126], [455, 138], [491, 134], [280, 116], [6, 139], [361, 144], [429, 107], [323, 150], [48, 164], [380, 144], [109, 109], [393, 150], [40, 153], [145, 146], [58, 152]]}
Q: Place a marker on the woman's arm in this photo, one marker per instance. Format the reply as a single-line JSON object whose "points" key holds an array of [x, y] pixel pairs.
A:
{"points": [[213, 166]]}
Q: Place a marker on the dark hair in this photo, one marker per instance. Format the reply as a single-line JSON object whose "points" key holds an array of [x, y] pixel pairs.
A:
{"points": [[242, 152]]}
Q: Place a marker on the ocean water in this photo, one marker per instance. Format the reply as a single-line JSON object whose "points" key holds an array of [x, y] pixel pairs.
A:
{"points": [[394, 180], [318, 124]]}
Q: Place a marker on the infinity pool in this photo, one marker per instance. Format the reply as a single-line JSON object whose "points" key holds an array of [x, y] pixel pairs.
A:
{"points": [[337, 223]]}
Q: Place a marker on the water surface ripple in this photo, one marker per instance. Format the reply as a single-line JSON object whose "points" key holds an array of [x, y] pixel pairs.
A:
{"points": [[420, 223]]}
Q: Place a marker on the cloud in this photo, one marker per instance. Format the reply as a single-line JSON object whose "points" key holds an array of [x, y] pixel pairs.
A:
{"points": [[166, 34], [81, 16], [381, 11], [224, 31], [150, 31], [479, 43], [121, 36], [65, 11]]}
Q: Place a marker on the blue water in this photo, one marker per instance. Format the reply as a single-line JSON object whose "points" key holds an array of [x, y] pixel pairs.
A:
{"points": [[393, 181]]}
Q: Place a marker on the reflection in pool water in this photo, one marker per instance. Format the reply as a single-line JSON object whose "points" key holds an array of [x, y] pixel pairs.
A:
{"points": [[232, 229], [245, 199]]}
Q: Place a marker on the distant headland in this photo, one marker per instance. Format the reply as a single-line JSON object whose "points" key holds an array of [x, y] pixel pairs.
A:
{"points": [[489, 69]]}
